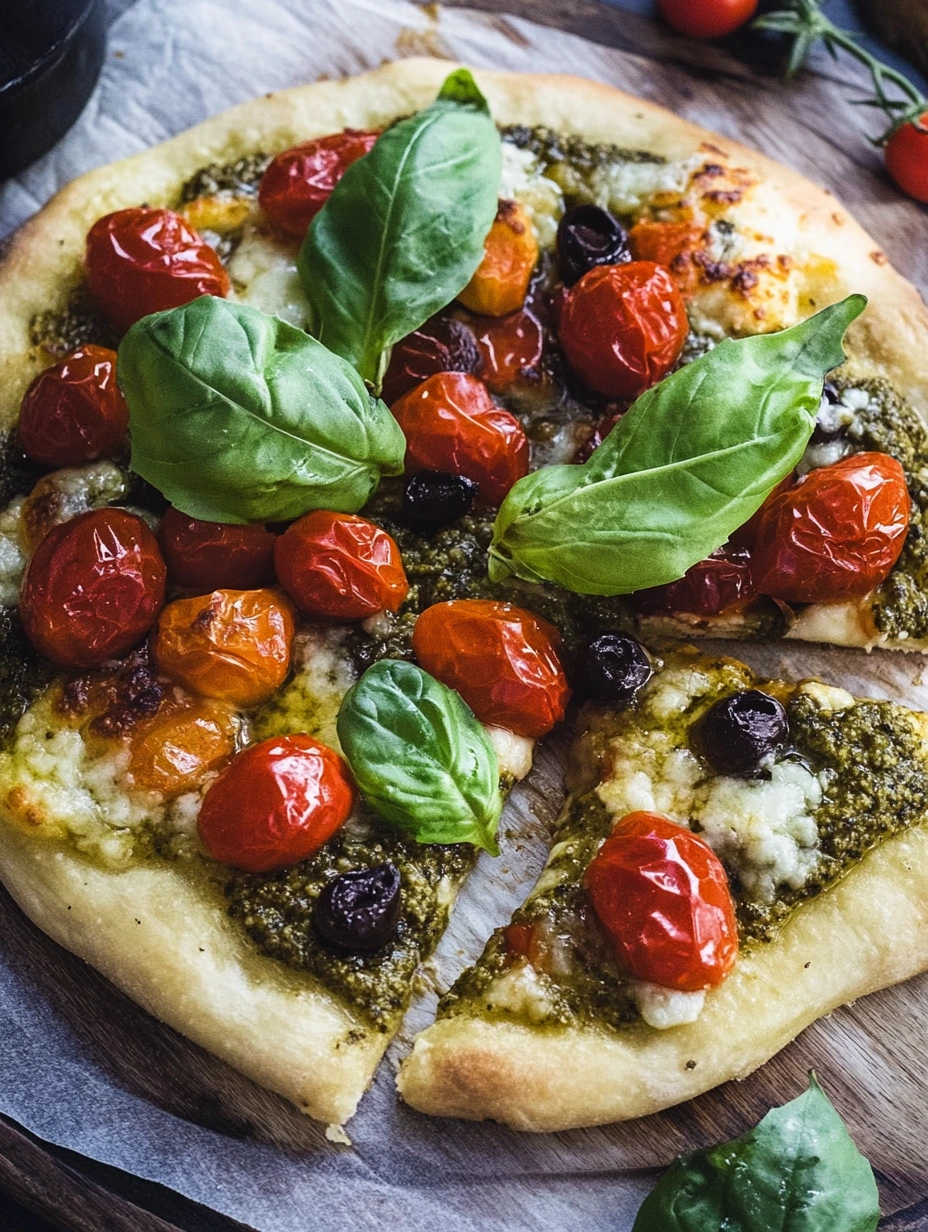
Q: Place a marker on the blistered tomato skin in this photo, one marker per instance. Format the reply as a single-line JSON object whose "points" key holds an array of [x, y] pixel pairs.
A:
{"points": [[73, 412], [452, 424], [205, 556], [622, 327], [442, 344], [233, 645], [835, 534], [502, 279], [340, 567], [510, 347], [299, 181], [504, 661], [275, 804], [141, 261], [173, 752], [723, 582], [662, 897], [93, 589]]}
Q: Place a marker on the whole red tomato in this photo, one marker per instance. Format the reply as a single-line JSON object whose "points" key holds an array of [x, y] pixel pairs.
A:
{"points": [[205, 556], [662, 896], [707, 19], [442, 344], [142, 260], [340, 566], [299, 181], [509, 346], [720, 583], [504, 661], [834, 535], [93, 589], [452, 424], [73, 412], [906, 157], [622, 327], [275, 804]]}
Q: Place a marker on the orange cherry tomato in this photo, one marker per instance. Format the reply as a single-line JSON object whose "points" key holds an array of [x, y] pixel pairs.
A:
{"points": [[662, 897], [73, 412], [299, 181], [340, 566], [93, 589], [504, 661], [142, 260], [174, 751], [622, 327], [452, 424], [668, 244], [232, 644], [205, 556], [501, 282], [510, 347], [721, 583], [835, 534], [707, 19], [275, 804], [442, 344], [906, 156]]}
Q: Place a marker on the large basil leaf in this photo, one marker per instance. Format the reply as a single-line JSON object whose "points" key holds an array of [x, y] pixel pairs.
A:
{"points": [[420, 757], [798, 1171], [239, 417], [690, 462], [403, 231]]}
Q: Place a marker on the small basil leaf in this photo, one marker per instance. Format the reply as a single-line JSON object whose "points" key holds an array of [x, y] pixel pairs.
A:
{"points": [[239, 417], [403, 231], [420, 757], [691, 461], [798, 1171]]}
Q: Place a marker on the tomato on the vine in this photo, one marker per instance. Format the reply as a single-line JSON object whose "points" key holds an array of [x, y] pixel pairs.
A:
{"points": [[299, 181], [906, 156], [73, 412], [205, 556], [720, 583], [707, 19], [835, 534], [276, 803], [662, 897]]}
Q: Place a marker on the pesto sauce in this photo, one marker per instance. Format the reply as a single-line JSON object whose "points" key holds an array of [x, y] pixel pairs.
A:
{"points": [[24, 673], [240, 178], [79, 323]]}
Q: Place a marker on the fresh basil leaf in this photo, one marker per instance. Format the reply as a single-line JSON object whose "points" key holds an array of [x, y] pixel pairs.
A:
{"points": [[239, 417], [691, 461], [798, 1171], [420, 757], [403, 231]]}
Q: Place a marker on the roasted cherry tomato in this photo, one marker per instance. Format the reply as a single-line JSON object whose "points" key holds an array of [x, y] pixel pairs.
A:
{"points": [[442, 344], [835, 534], [340, 566], [174, 751], [906, 157], [504, 661], [73, 412], [206, 556], [707, 19], [501, 282], [721, 583], [662, 897], [452, 424], [93, 588], [275, 804], [232, 644], [746, 536], [141, 261], [299, 181], [622, 327], [509, 347]]}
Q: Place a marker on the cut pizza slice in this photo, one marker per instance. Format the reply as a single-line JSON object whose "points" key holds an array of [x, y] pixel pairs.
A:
{"points": [[639, 973]]}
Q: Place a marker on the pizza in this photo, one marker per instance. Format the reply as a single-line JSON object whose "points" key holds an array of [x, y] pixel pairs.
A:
{"points": [[345, 437]]}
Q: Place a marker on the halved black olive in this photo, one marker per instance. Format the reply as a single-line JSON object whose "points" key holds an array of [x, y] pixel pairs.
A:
{"points": [[358, 911], [611, 668], [433, 499], [589, 236], [740, 732]]}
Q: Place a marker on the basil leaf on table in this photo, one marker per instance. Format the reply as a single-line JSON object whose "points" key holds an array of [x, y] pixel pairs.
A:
{"points": [[403, 231], [235, 416], [798, 1171], [420, 757], [689, 463]]}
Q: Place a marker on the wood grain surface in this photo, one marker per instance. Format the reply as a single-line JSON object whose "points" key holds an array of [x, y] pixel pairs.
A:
{"points": [[871, 1056]]}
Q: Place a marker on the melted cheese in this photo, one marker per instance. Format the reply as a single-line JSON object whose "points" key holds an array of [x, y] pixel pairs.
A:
{"points": [[264, 275]]}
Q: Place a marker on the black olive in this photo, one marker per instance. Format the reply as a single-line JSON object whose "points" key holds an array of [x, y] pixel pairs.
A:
{"points": [[433, 499], [741, 731], [588, 236], [358, 911], [611, 668]]}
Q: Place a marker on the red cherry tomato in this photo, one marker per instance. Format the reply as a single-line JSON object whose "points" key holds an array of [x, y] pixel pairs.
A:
{"points": [[205, 556], [141, 261], [602, 429], [834, 535], [340, 566], [906, 157], [509, 346], [721, 583], [504, 661], [299, 181], [93, 589], [442, 344], [73, 412], [662, 896], [452, 424], [707, 19], [275, 804], [622, 327], [746, 536]]}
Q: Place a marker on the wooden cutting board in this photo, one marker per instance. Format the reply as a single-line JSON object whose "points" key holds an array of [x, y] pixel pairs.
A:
{"points": [[871, 1056]]}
